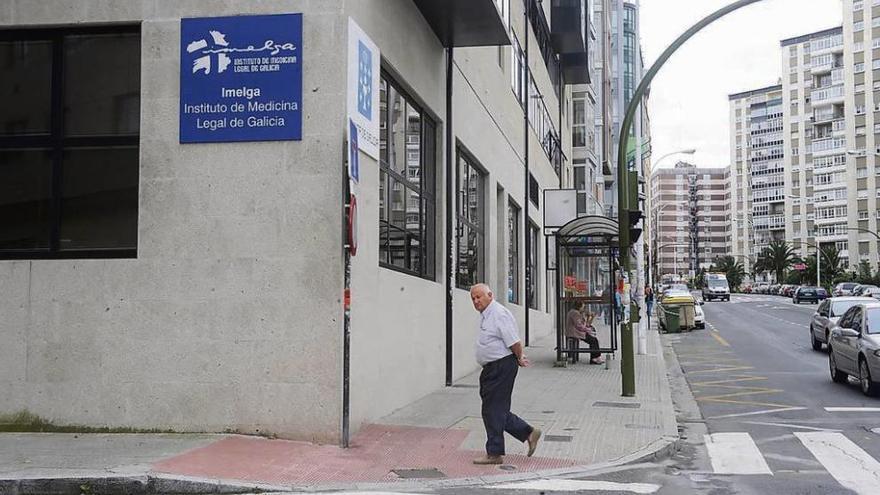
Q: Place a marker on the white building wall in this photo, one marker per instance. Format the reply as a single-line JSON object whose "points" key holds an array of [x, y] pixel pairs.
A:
{"points": [[226, 319], [230, 317]]}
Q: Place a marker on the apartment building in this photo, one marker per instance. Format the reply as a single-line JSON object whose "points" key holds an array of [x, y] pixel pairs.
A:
{"points": [[830, 104], [861, 63], [183, 277], [757, 184], [589, 101], [691, 208], [814, 129]]}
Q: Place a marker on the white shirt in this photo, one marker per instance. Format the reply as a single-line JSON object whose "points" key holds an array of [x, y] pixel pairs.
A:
{"points": [[498, 331]]}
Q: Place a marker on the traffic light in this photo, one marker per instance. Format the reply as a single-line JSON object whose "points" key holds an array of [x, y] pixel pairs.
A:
{"points": [[635, 216]]}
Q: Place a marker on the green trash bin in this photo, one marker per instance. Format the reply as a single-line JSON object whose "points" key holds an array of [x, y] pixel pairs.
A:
{"points": [[671, 321]]}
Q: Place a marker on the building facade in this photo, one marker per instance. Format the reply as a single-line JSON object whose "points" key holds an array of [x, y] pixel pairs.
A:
{"points": [[691, 207], [154, 283], [757, 192], [861, 64], [830, 99]]}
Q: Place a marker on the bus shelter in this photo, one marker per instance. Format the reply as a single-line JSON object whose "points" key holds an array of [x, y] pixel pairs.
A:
{"points": [[586, 249]]}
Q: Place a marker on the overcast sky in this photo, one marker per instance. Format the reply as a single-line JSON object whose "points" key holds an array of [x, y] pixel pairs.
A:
{"points": [[688, 104]]}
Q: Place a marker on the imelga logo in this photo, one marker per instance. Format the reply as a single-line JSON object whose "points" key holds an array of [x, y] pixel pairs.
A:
{"points": [[365, 81], [220, 47]]}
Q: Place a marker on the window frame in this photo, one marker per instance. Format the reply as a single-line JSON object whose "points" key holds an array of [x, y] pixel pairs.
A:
{"points": [[462, 155], [427, 221], [533, 289], [56, 143], [513, 252]]}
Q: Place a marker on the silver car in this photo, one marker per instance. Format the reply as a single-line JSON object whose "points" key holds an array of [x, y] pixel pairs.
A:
{"points": [[854, 347], [826, 316]]}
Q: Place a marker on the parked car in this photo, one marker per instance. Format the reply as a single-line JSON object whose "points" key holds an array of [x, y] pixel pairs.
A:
{"points": [[805, 293], [872, 292], [761, 288], [747, 289], [854, 346], [699, 316], [843, 289], [861, 288], [774, 289], [821, 293], [788, 290], [826, 316]]}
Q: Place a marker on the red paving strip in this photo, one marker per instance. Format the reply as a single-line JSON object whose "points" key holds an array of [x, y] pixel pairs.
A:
{"points": [[375, 451]]}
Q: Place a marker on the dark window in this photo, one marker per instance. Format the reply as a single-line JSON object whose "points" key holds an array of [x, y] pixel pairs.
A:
{"points": [[471, 223], [406, 183], [513, 253], [855, 320], [534, 190], [69, 137], [532, 274]]}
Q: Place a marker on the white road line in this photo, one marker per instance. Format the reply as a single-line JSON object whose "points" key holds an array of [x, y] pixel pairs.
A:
{"points": [[753, 413], [557, 485], [852, 409], [851, 466], [788, 425], [735, 453], [375, 493]]}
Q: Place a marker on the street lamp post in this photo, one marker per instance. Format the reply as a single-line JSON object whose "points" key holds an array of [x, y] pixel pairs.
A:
{"points": [[625, 202]]}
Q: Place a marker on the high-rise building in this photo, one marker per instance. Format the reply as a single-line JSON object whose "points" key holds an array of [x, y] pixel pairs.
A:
{"points": [[814, 128], [757, 192], [587, 126], [691, 206], [861, 63], [830, 106]]}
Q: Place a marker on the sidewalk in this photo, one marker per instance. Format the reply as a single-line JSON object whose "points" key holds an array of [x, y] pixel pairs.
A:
{"points": [[432, 441]]}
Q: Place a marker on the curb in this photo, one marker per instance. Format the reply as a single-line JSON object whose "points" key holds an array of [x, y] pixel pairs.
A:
{"points": [[129, 485]]}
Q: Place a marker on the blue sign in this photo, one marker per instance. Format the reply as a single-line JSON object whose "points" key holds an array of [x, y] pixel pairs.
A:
{"points": [[241, 78], [365, 81], [353, 152]]}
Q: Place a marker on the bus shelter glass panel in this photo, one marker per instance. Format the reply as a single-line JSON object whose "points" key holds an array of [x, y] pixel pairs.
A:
{"points": [[586, 286]]}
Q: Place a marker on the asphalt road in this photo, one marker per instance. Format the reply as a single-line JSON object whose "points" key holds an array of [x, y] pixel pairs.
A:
{"points": [[752, 396]]}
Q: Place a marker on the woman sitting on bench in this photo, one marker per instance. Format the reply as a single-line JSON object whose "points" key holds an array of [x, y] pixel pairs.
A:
{"points": [[580, 326]]}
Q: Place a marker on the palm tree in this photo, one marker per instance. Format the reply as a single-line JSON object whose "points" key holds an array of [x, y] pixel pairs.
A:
{"points": [[761, 265], [831, 268], [779, 256], [732, 268]]}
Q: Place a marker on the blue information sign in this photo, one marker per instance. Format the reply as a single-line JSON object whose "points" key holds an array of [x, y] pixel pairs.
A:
{"points": [[241, 78]]}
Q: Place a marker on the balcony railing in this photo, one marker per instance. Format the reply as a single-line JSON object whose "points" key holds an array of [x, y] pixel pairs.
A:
{"points": [[831, 144], [829, 93]]}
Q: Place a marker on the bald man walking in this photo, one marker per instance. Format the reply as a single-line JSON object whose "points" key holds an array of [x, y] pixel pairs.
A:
{"points": [[500, 352]]}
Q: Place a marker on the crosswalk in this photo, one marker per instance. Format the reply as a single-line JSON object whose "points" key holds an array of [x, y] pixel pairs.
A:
{"points": [[846, 462]]}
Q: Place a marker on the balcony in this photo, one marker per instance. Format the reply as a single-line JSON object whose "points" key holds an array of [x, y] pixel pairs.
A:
{"points": [[828, 146], [568, 32], [827, 96], [460, 23]]}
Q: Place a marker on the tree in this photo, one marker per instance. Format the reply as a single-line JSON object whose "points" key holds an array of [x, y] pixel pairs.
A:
{"points": [[810, 273], [832, 272], [865, 275], [779, 256], [761, 265], [732, 269]]}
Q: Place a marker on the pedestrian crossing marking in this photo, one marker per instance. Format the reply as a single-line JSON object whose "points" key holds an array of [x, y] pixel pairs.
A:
{"points": [[735, 453], [562, 485], [851, 466], [852, 409]]}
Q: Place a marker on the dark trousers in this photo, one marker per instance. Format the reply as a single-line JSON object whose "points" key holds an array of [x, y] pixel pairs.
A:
{"points": [[496, 388], [593, 342]]}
